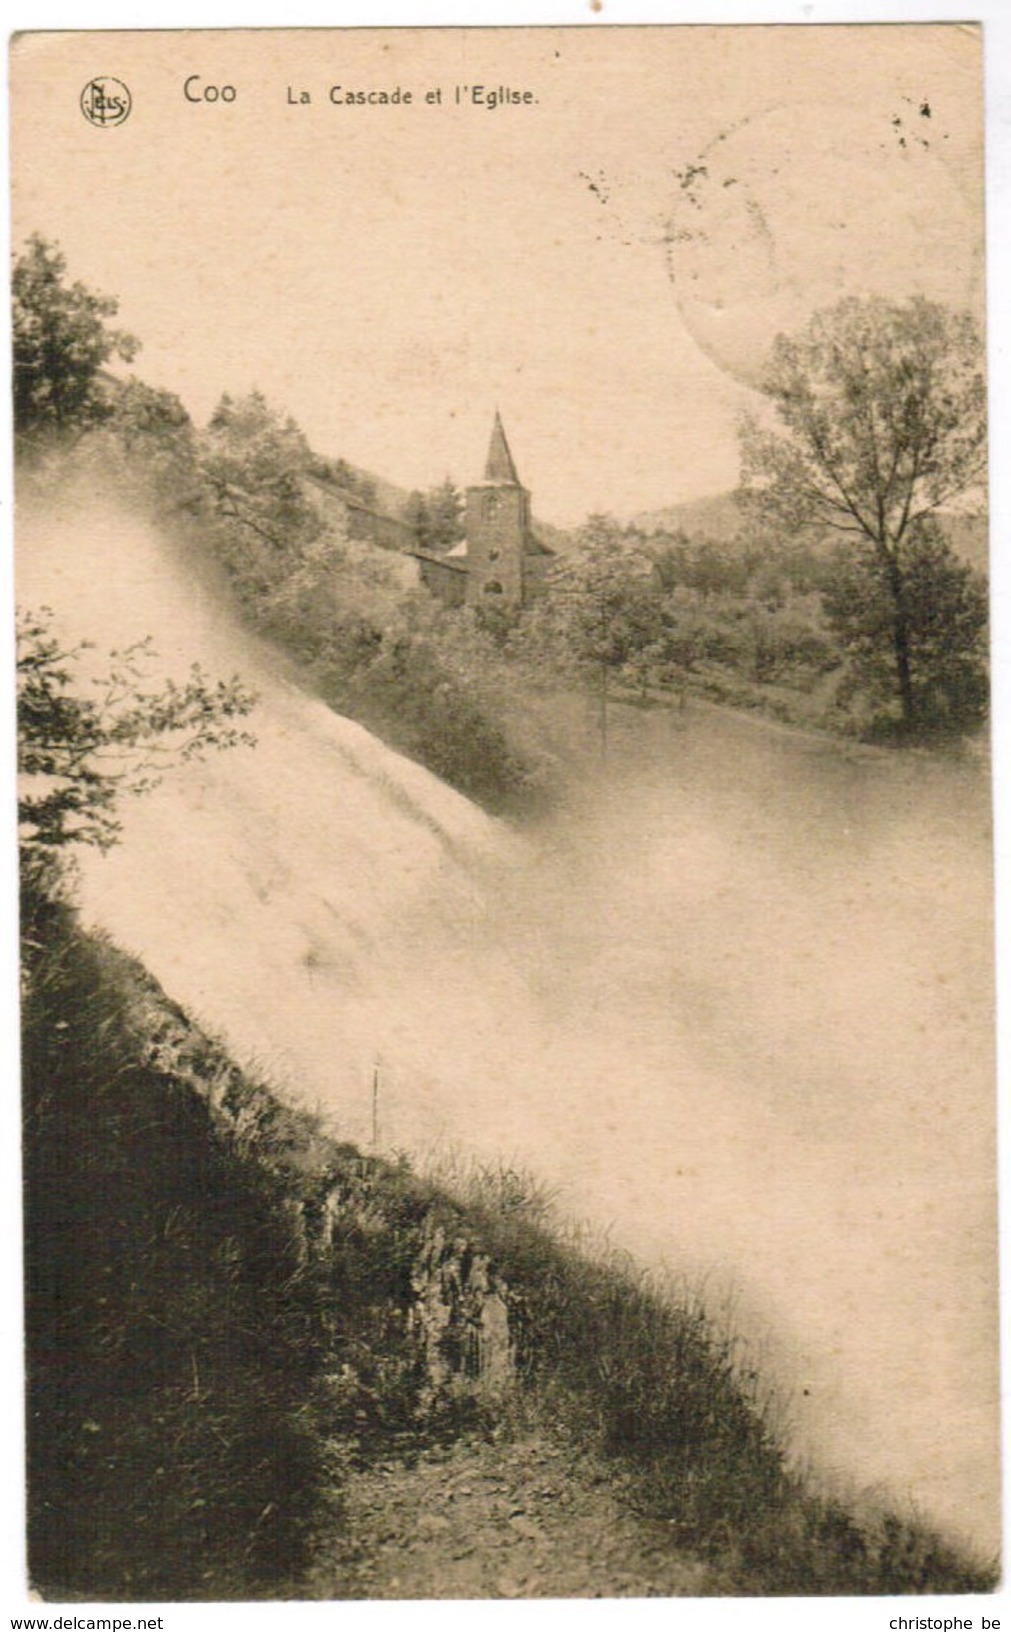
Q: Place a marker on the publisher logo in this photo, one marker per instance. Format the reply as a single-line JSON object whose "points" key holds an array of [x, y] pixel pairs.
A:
{"points": [[106, 101]]}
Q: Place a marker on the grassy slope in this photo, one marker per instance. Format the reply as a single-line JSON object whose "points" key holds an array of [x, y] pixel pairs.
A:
{"points": [[219, 1321]]}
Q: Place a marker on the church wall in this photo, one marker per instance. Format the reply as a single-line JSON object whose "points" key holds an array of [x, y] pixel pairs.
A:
{"points": [[447, 584], [356, 519], [502, 565]]}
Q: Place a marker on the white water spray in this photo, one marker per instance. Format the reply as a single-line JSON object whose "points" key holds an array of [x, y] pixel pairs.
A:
{"points": [[735, 1002]]}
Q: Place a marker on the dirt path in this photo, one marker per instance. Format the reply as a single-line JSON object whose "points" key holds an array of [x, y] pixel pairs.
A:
{"points": [[528, 1518]]}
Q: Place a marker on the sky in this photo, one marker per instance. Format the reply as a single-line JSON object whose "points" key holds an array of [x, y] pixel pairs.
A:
{"points": [[606, 264]]}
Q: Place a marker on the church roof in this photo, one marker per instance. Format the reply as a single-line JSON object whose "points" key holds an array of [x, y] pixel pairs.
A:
{"points": [[438, 560], [499, 466]]}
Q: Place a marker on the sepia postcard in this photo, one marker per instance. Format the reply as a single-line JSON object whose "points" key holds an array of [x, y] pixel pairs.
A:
{"points": [[507, 905]]}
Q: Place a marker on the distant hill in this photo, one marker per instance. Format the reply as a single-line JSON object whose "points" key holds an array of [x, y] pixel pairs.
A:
{"points": [[718, 517], [721, 518]]}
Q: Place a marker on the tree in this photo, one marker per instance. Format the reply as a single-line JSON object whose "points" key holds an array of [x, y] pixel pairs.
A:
{"points": [[147, 445], [945, 605], [419, 519], [82, 746], [882, 409], [603, 607], [436, 517], [253, 460], [445, 508], [702, 564], [61, 343], [142, 413]]}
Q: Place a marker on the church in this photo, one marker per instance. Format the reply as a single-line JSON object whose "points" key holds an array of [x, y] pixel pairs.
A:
{"points": [[500, 559]]}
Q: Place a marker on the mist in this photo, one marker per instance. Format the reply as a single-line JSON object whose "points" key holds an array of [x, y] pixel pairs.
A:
{"points": [[732, 1001]]}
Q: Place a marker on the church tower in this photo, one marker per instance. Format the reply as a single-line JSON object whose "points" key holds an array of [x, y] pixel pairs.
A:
{"points": [[498, 528]]}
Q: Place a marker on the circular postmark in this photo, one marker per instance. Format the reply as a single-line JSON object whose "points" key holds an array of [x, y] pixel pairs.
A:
{"points": [[794, 207], [106, 101]]}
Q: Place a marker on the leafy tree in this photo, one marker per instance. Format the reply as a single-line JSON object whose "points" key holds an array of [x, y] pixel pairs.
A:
{"points": [[436, 517], [882, 411], [418, 517], [445, 507], [150, 442], [252, 461], [603, 608], [139, 411], [345, 475], [946, 614], [82, 746], [701, 564], [61, 343]]}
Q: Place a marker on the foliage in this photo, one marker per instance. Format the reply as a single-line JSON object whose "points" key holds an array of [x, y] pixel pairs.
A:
{"points": [[61, 343], [755, 563], [883, 413], [84, 744], [661, 611], [945, 606], [601, 616], [446, 506], [706, 566], [251, 463], [147, 419], [601, 597], [345, 476], [425, 678], [438, 689], [419, 519], [172, 1339], [436, 517]]}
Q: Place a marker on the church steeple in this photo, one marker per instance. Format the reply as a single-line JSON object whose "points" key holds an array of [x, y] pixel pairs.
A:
{"points": [[499, 466], [498, 527], [500, 562]]}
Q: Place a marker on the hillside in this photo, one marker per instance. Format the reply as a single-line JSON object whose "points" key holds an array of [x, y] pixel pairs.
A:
{"points": [[717, 516], [389, 497], [262, 1364], [720, 518]]}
